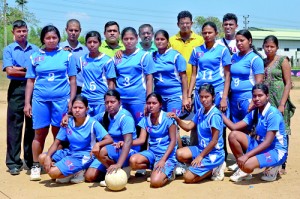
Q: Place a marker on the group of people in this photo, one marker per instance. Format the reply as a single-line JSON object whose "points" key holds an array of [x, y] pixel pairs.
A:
{"points": [[117, 103]]}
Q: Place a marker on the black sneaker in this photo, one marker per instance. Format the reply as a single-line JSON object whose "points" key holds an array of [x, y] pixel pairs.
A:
{"points": [[14, 171]]}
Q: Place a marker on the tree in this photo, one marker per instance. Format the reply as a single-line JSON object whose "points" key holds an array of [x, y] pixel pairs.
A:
{"points": [[21, 3], [200, 20], [34, 35]]}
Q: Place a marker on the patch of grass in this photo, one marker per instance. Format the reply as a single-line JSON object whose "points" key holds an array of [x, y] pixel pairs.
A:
{"points": [[3, 79]]}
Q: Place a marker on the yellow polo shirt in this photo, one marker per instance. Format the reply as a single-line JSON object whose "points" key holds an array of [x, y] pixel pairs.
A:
{"points": [[186, 48], [106, 49]]}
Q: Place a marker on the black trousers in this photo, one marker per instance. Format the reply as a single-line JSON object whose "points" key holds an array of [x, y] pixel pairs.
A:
{"points": [[15, 121]]}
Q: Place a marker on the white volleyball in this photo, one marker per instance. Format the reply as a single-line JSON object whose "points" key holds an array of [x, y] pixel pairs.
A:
{"points": [[116, 181]]}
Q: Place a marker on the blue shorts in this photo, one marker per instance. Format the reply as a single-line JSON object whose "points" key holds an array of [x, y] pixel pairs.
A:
{"points": [[208, 163], [154, 158], [136, 110], [269, 157], [238, 109], [95, 108], [172, 104], [71, 162], [45, 113], [113, 154], [218, 98]]}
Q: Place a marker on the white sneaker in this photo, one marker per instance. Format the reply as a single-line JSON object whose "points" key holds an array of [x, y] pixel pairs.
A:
{"points": [[35, 174], [64, 180], [218, 172], [270, 174], [233, 167], [102, 183], [240, 175], [127, 171], [78, 177], [180, 169]]}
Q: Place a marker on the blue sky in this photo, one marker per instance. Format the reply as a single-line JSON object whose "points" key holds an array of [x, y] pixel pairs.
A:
{"points": [[93, 14]]}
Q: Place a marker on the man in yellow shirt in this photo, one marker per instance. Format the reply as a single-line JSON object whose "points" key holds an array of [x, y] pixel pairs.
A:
{"points": [[186, 40], [112, 42]]}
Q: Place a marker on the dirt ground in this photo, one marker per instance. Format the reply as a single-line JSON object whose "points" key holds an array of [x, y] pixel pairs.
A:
{"points": [[287, 186]]}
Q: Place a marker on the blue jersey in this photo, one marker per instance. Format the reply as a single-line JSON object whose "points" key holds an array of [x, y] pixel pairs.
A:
{"points": [[120, 125], [82, 138], [204, 122], [51, 71], [210, 65], [269, 120], [167, 80], [243, 71], [131, 71], [78, 51], [159, 138], [96, 71], [14, 55]]}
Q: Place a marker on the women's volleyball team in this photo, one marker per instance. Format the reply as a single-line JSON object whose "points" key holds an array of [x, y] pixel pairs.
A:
{"points": [[128, 112]]}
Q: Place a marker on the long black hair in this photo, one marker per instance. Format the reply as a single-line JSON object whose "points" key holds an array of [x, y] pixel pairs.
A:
{"points": [[105, 121]]}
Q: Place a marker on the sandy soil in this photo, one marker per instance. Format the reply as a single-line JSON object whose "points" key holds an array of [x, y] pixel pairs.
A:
{"points": [[287, 186]]}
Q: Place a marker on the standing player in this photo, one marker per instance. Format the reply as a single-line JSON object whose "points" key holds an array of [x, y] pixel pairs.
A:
{"points": [[162, 143], [146, 35], [73, 30], [16, 59], [51, 83], [81, 132], [206, 158], [266, 146], [211, 64], [98, 73], [134, 74], [112, 42], [229, 26], [186, 40]]}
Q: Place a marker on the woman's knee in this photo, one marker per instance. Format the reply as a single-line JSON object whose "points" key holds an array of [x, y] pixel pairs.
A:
{"points": [[42, 157], [54, 173], [91, 175], [188, 177]]}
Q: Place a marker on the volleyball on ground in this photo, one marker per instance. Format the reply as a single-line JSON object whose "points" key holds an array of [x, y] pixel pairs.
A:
{"points": [[116, 181]]}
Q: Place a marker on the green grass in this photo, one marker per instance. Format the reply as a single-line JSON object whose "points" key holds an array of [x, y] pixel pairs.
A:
{"points": [[3, 80]]}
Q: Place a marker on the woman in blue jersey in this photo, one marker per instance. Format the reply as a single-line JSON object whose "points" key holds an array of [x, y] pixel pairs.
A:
{"points": [[161, 131], [81, 132], [170, 80], [211, 64], [266, 146], [121, 127], [246, 70], [98, 73], [208, 157], [134, 74], [51, 82]]}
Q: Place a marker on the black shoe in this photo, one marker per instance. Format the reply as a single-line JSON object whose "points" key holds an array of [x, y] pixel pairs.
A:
{"points": [[14, 171]]}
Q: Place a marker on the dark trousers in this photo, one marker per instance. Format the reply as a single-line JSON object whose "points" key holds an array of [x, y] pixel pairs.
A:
{"points": [[15, 120]]}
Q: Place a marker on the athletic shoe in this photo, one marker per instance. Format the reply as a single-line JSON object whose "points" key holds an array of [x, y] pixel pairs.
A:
{"points": [[240, 175], [180, 169], [14, 171], [64, 180], [102, 183], [218, 172], [127, 171], [233, 167], [140, 173], [270, 174], [78, 177], [35, 173]]}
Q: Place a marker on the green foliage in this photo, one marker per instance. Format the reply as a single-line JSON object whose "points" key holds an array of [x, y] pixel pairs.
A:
{"points": [[34, 35], [200, 20], [81, 39]]}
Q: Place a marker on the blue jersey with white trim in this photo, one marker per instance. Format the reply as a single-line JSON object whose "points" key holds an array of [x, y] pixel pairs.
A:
{"points": [[167, 81], [131, 71], [205, 122], [51, 71], [269, 120], [210, 65], [243, 71], [95, 72], [82, 138], [159, 138]]}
